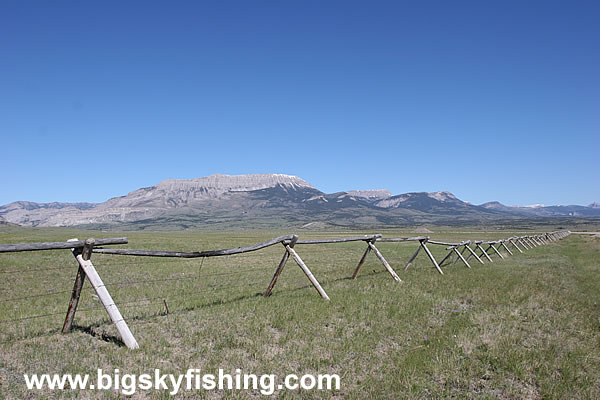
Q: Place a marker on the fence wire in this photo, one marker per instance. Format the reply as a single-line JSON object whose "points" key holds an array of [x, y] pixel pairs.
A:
{"points": [[175, 284], [182, 284]]}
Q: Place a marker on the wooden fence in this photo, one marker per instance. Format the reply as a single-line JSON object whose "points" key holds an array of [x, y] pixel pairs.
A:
{"points": [[82, 250]]}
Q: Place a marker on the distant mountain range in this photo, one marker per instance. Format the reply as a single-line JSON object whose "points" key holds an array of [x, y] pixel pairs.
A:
{"points": [[270, 200], [539, 210]]}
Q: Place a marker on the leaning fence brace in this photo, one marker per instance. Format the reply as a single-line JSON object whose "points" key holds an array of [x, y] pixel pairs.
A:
{"points": [[423, 240], [82, 251], [370, 241], [86, 268]]}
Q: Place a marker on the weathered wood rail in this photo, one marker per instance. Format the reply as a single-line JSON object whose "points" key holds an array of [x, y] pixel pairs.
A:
{"points": [[288, 242], [11, 248], [408, 239], [195, 254]]}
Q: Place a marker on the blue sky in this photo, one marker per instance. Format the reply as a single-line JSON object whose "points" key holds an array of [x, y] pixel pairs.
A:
{"points": [[491, 100]]}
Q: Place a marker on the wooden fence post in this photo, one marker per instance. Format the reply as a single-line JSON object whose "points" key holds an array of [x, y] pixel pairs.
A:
{"points": [[361, 262], [461, 257], [521, 241], [484, 253], [78, 285], [383, 261], [462, 252], [106, 299], [431, 256], [468, 247], [289, 251], [413, 257], [282, 263], [496, 250], [306, 271], [450, 252], [511, 241], [506, 247]]}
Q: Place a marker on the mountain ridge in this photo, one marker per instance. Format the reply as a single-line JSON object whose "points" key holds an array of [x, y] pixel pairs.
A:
{"points": [[261, 198]]}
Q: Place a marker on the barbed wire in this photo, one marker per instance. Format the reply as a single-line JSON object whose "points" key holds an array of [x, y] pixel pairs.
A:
{"points": [[34, 296], [30, 317], [157, 260], [119, 304], [126, 304], [190, 276], [18, 271], [197, 297], [154, 301], [210, 288]]}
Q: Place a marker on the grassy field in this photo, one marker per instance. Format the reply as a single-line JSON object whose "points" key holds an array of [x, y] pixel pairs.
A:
{"points": [[524, 327]]}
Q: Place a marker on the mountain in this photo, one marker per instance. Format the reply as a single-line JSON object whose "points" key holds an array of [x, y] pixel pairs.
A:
{"points": [[31, 214], [28, 205], [215, 193], [496, 205], [183, 193], [540, 210], [267, 200], [437, 203]]}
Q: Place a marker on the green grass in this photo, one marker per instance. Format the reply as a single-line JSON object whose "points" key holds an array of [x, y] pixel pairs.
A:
{"points": [[525, 327]]}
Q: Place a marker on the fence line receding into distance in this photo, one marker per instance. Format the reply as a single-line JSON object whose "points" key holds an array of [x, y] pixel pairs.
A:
{"points": [[82, 250]]}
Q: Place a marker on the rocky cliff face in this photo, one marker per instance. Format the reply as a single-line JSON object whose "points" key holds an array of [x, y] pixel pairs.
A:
{"points": [[185, 193]]}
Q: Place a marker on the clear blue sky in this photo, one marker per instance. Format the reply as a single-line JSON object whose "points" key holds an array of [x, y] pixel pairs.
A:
{"points": [[491, 100]]}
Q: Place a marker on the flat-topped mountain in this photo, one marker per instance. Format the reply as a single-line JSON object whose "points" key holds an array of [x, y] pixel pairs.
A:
{"points": [[266, 200], [188, 192]]}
